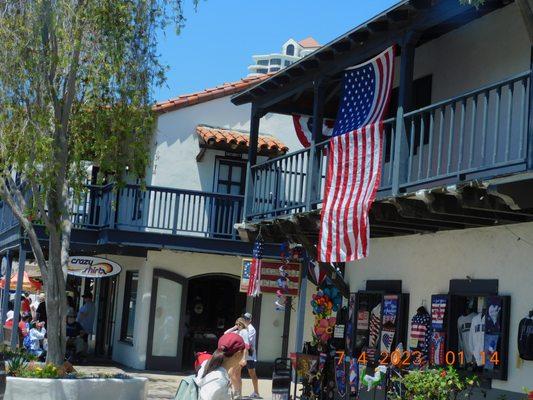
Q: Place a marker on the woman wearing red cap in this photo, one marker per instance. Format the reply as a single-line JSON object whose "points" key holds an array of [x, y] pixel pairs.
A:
{"points": [[213, 380]]}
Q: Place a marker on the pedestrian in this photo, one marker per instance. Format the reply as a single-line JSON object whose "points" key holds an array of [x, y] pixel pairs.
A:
{"points": [[40, 312], [70, 306], [236, 371], [25, 304], [213, 379], [37, 334], [252, 355], [75, 342], [86, 318]]}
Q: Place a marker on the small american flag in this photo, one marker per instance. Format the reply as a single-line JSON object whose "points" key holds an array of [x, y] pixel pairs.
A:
{"points": [[254, 285], [354, 164]]}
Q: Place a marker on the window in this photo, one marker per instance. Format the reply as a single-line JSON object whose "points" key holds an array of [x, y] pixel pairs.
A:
{"points": [[274, 69], [275, 61], [287, 63], [262, 62], [262, 71], [290, 50], [129, 307]]}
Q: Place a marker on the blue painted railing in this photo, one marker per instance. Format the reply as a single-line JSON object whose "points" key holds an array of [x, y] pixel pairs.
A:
{"points": [[479, 134], [150, 209]]}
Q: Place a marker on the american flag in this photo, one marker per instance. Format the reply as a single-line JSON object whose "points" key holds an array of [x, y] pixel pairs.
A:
{"points": [[254, 285], [354, 164]]}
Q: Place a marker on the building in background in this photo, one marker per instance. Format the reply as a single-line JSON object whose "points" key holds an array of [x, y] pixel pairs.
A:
{"points": [[291, 51]]}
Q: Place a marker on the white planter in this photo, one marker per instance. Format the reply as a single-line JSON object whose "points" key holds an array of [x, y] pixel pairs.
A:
{"points": [[76, 389]]}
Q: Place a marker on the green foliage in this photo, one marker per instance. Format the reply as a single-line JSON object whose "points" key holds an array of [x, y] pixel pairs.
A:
{"points": [[434, 384], [17, 366]]}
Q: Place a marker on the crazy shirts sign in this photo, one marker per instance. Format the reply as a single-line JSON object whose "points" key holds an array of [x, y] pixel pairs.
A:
{"points": [[92, 267]]}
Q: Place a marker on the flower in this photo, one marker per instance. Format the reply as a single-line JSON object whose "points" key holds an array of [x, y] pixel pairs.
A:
{"points": [[443, 374], [324, 328]]}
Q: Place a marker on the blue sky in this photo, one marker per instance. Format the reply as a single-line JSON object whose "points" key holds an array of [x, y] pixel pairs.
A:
{"points": [[221, 36]]}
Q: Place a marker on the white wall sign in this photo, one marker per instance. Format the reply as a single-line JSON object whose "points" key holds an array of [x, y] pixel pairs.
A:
{"points": [[92, 267]]}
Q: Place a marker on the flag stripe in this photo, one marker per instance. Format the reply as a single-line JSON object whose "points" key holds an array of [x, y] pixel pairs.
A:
{"points": [[354, 161]]}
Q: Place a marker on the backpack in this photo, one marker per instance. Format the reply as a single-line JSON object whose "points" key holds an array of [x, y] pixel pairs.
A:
{"points": [[187, 390], [525, 339]]}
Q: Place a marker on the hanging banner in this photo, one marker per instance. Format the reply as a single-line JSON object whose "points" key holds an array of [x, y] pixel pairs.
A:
{"points": [[270, 276], [92, 267]]}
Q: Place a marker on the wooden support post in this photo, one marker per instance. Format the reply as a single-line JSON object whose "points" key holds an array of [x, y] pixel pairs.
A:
{"points": [[286, 328], [313, 166], [256, 115], [401, 149], [18, 292], [5, 293], [302, 303], [529, 133]]}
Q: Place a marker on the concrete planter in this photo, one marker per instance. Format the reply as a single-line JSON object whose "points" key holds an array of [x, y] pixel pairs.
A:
{"points": [[76, 389]]}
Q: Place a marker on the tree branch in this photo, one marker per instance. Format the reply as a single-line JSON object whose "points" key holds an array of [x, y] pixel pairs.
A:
{"points": [[9, 192]]}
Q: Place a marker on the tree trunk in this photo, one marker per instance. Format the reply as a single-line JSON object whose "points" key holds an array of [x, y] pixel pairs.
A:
{"points": [[56, 301]]}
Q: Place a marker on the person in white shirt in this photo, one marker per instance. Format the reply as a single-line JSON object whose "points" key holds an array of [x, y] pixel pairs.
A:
{"points": [[252, 355], [37, 333], [212, 379], [236, 371]]}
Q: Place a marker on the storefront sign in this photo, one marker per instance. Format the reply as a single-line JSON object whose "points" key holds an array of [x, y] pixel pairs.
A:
{"points": [[92, 267], [270, 276]]}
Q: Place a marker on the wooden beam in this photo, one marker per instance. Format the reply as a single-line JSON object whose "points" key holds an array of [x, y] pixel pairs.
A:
{"points": [[378, 26], [399, 15]]}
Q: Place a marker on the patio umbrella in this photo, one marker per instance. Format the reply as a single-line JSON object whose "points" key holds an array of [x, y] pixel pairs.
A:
{"points": [[28, 284]]}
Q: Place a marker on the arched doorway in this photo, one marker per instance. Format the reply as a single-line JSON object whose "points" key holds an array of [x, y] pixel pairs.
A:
{"points": [[213, 304]]}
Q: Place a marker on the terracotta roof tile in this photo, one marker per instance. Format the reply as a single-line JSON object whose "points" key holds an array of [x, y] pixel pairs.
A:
{"points": [[209, 94], [232, 140], [309, 42]]}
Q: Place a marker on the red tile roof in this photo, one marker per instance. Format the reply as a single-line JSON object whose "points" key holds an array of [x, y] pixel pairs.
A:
{"points": [[309, 42], [225, 89], [236, 141]]}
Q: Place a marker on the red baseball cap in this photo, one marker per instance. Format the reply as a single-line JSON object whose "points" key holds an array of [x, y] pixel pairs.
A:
{"points": [[230, 343]]}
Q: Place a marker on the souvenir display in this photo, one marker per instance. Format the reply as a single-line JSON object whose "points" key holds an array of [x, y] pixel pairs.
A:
{"points": [[372, 381], [437, 350], [464, 330], [353, 375], [340, 375], [525, 338], [324, 303]]}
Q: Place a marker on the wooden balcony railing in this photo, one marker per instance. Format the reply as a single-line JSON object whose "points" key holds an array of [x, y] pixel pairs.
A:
{"points": [[153, 209], [480, 134]]}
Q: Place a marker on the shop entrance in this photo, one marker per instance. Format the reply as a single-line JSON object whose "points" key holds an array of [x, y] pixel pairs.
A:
{"points": [[213, 304]]}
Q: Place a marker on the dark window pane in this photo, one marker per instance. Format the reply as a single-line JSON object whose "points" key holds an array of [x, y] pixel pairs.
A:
{"points": [[130, 305], [275, 61], [290, 50]]}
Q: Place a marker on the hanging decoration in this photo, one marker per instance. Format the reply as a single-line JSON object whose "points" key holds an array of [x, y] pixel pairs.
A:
{"points": [[254, 286], [373, 381], [324, 303], [288, 253]]}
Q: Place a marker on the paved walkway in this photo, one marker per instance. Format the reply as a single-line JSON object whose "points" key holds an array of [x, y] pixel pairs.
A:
{"points": [[163, 385]]}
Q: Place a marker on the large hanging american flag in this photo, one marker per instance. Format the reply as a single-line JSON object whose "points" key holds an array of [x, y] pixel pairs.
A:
{"points": [[254, 285], [354, 164]]}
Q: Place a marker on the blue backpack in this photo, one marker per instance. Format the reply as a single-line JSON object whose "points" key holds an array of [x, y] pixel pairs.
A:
{"points": [[188, 390]]}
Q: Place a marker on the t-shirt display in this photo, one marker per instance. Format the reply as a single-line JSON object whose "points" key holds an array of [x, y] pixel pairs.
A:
{"points": [[464, 324], [493, 317]]}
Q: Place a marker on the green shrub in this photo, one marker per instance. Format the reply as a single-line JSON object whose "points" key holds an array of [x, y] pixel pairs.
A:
{"points": [[434, 384]]}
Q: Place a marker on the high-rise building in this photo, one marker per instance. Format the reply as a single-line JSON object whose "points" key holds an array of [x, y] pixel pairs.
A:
{"points": [[291, 51]]}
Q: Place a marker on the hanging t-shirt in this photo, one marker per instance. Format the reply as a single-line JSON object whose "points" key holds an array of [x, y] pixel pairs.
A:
{"points": [[490, 347], [493, 318], [477, 338], [464, 323], [438, 311], [421, 335], [525, 339]]}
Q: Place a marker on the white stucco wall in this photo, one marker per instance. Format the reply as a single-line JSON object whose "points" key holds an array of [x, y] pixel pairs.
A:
{"points": [[175, 143], [426, 263], [189, 265]]}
